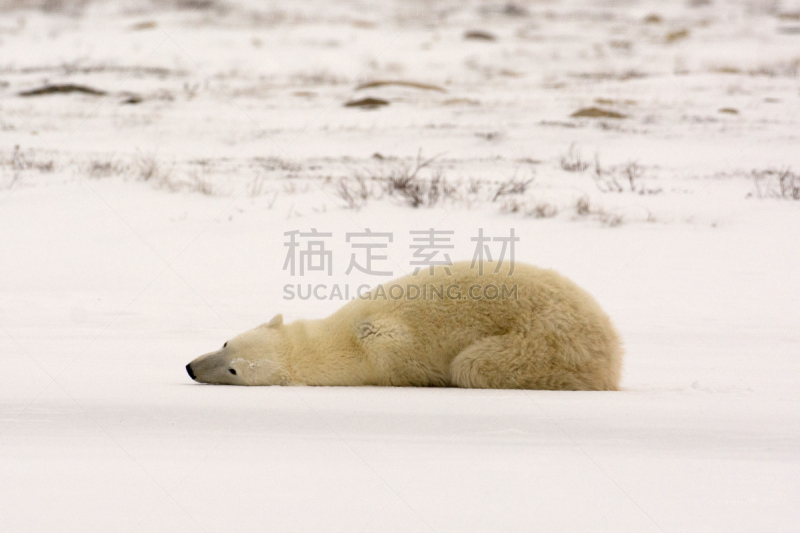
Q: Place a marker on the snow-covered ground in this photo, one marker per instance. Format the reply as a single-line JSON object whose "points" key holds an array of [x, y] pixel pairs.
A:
{"points": [[143, 224]]}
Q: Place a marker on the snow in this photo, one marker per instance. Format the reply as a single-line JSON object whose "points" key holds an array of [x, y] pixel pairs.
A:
{"points": [[110, 283]]}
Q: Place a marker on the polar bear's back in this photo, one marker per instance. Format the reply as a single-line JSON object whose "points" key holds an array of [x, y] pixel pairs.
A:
{"points": [[534, 319]]}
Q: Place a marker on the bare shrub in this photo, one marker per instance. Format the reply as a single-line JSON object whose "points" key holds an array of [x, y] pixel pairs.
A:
{"points": [[407, 184], [610, 180], [271, 202], [585, 209], [190, 89], [256, 188], [474, 187], [438, 189], [74, 7], [633, 173], [199, 182], [789, 69], [774, 183], [605, 180], [512, 206], [318, 77], [148, 168], [21, 161], [582, 206], [513, 186], [257, 185], [572, 161], [217, 6], [609, 219], [277, 163], [418, 184], [416, 191], [540, 209], [355, 191], [415, 184], [98, 169]]}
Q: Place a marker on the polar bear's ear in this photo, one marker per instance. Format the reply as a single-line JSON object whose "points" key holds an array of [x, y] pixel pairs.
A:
{"points": [[276, 321]]}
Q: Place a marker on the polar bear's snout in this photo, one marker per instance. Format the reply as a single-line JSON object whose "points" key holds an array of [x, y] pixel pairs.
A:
{"points": [[212, 367], [255, 357]]}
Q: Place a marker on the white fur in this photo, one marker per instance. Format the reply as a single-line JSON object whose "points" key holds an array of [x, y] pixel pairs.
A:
{"points": [[553, 335]]}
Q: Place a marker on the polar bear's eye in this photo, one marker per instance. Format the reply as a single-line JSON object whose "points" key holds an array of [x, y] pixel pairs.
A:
{"points": [[224, 345], [232, 371]]}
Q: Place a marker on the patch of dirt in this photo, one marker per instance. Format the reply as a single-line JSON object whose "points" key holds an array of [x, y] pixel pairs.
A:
{"points": [[461, 101], [479, 35], [132, 99], [367, 103], [596, 112], [62, 89], [400, 83], [146, 25], [677, 35]]}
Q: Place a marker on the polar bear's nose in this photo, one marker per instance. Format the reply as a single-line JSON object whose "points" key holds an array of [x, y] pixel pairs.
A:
{"points": [[189, 370]]}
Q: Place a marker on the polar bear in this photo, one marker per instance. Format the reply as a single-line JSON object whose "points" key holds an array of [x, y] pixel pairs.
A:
{"points": [[453, 326]]}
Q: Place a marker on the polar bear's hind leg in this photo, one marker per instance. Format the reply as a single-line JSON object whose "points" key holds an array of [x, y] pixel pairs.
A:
{"points": [[512, 361]]}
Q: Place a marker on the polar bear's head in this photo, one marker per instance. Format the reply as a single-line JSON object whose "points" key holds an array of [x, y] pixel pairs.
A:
{"points": [[255, 357]]}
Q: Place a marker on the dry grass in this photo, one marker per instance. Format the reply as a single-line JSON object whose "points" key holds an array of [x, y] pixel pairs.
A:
{"points": [[21, 163], [98, 169], [572, 161], [199, 182], [779, 69], [542, 210], [318, 77], [28, 160], [775, 183], [149, 169], [585, 209]]}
